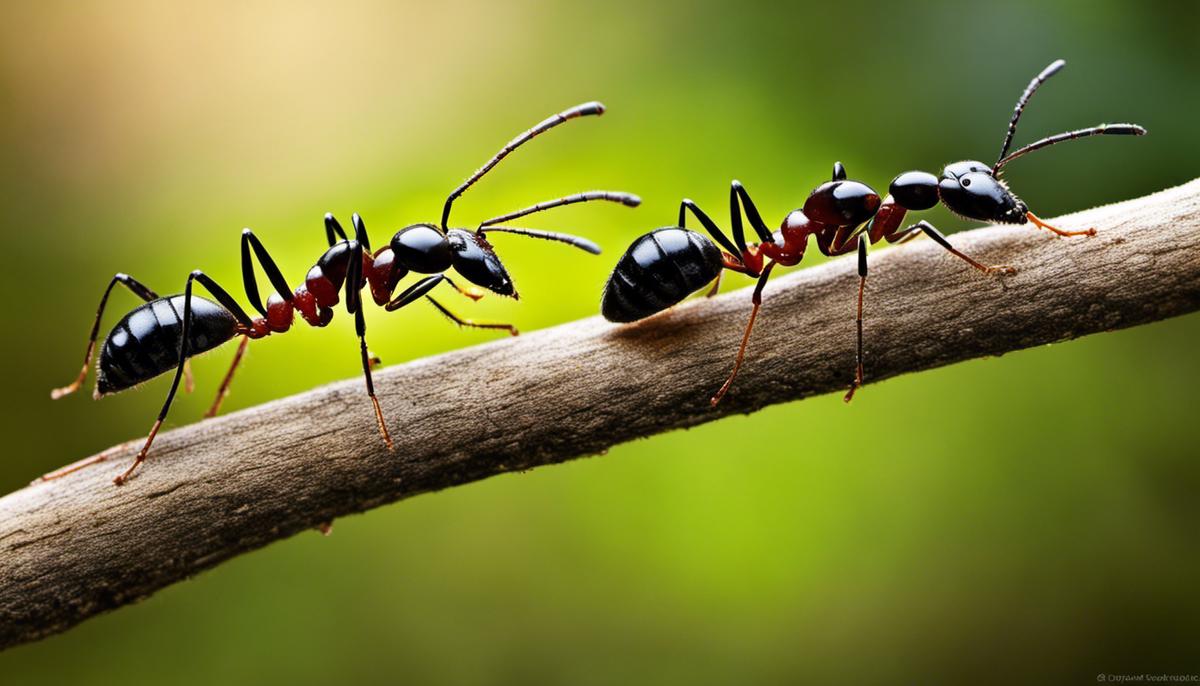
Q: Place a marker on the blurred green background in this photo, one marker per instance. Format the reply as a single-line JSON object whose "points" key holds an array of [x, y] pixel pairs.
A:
{"points": [[1028, 519]]}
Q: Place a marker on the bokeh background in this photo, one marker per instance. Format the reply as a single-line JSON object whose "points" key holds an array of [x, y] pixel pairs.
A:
{"points": [[1030, 519]]}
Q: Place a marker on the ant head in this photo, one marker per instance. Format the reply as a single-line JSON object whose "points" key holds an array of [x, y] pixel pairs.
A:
{"points": [[970, 190], [474, 258], [421, 248], [842, 202]]}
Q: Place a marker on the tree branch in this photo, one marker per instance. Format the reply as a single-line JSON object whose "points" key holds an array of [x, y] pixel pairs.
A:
{"points": [[78, 546]]}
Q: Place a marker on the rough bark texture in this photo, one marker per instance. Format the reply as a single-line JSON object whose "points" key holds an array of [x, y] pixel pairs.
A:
{"points": [[78, 546]]}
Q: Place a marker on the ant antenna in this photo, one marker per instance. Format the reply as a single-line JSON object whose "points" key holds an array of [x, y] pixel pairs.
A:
{"points": [[587, 108], [1101, 130], [626, 199], [576, 241], [1036, 83]]}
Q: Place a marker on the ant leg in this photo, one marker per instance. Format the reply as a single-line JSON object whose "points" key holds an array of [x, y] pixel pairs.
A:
{"points": [[736, 190], [420, 288], [251, 242], [471, 292], [512, 330], [360, 327], [138, 289], [737, 365], [414, 292], [941, 240], [1037, 221], [85, 462], [902, 237], [228, 303], [716, 285], [862, 287], [838, 240], [360, 232], [224, 389], [332, 227], [709, 225], [845, 241], [354, 305]]}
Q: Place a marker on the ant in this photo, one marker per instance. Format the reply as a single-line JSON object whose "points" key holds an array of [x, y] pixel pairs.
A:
{"points": [[164, 333], [663, 267]]}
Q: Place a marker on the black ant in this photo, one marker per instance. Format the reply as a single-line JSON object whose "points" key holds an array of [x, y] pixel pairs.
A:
{"points": [[664, 266], [162, 334]]}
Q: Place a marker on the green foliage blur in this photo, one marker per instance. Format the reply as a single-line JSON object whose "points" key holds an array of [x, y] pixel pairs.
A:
{"points": [[1030, 519]]}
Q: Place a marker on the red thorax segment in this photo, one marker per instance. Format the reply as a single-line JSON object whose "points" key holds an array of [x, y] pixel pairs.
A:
{"points": [[792, 238], [752, 258], [382, 274], [306, 303], [324, 290], [280, 314], [258, 329], [887, 220], [320, 291]]}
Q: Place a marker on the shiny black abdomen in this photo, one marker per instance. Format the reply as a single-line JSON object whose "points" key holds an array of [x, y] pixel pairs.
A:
{"points": [[658, 270], [145, 343]]}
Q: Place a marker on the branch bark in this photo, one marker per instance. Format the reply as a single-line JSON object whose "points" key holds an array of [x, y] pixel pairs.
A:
{"points": [[79, 546]]}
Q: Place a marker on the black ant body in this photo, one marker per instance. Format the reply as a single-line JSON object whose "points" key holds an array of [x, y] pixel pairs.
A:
{"points": [[664, 266], [162, 334]]}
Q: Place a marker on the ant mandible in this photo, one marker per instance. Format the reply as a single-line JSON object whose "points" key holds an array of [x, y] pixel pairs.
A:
{"points": [[165, 332], [663, 267]]}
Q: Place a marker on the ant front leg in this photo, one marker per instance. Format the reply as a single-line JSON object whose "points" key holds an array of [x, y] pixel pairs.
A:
{"points": [[422, 287], [228, 303], [138, 289], [1037, 221], [741, 354], [902, 237], [927, 228], [472, 292], [512, 330]]}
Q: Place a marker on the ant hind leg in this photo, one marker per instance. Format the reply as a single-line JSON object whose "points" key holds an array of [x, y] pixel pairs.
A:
{"points": [[225, 382], [229, 304], [135, 287], [741, 354]]}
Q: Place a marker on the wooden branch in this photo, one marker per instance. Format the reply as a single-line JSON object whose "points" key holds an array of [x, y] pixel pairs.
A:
{"points": [[78, 546]]}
